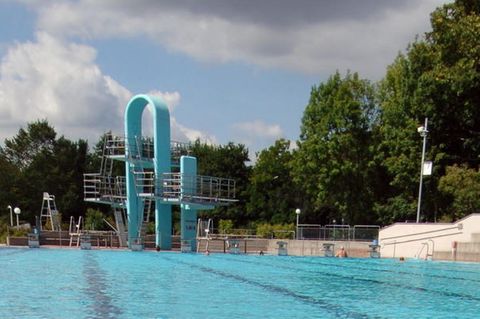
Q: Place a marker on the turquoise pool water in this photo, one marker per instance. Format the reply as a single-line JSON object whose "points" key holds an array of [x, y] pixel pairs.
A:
{"points": [[54, 283]]}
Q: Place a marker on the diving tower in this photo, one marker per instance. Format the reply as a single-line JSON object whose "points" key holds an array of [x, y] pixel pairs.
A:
{"points": [[159, 173]]}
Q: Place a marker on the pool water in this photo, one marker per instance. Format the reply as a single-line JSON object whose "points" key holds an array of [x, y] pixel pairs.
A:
{"points": [[55, 283]]}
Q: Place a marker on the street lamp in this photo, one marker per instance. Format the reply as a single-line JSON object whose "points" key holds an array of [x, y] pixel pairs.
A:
{"points": [[17, 212], [423, 133], [297, 211], [11, 215]]}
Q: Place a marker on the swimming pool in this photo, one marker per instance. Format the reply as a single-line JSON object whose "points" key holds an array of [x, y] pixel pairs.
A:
{"points": [[55, 283]]}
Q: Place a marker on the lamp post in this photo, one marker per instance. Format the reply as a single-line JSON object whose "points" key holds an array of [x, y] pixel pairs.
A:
{"points": [[17, 212], [297, 211], [334, 223], [423, 133], [11, 215]]}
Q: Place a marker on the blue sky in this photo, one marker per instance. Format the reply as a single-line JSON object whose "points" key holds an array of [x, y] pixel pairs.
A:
{"points": [[230, 70]]}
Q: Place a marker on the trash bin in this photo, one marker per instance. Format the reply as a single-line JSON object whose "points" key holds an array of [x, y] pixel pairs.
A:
{"points": [[33, 240], [328, 249], [282, 248], [85, 242], [186, 246]]}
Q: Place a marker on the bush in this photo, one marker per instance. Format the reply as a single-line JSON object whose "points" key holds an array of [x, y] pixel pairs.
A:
{"points": [[225, 226], [281, 231], [94, 219]]}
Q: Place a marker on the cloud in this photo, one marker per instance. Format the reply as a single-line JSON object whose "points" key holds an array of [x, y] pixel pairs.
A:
{"points": [[59, 81], [256, 134], [171, 98], [307, 36], [49, 79], [259, 128], [179, 132]]}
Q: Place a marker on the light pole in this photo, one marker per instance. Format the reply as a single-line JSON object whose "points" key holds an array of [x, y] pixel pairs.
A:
{"points": [[423, 130], [17, 212], [297, 211], [11, 215]]}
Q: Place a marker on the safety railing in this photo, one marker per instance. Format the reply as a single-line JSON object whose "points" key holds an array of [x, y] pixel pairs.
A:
{"points": [[186, 188], [97, 187], [338, 232], [142, 147]]}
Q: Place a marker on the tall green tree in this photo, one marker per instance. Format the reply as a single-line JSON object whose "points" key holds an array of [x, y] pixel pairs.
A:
{"points": [[333, 161], [463, 185], [43, 163], [227, 161], [272, 195], [438, 78]]}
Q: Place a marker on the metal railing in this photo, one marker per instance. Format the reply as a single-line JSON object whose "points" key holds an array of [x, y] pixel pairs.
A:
{"points": [[338, 232], [142, 147], [186, 188], [97, 187]]}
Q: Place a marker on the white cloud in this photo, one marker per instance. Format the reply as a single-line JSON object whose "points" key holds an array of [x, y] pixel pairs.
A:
{"points": [[182, 133], [50, 79], [59, 81], [259, 129], [310, 36], [256, 135], [179, 132], [172, 99]]}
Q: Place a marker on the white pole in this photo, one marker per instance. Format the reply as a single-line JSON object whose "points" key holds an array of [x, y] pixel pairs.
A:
{"points": [[17, 212], [423, 133], [11, 215], [297, 211]]}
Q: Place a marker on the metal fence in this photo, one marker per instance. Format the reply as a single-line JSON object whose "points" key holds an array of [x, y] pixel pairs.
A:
{"points": [[338, 232]]}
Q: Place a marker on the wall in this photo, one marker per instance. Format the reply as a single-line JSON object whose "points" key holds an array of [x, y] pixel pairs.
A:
{"points": [[411, 240], [315, 247]]}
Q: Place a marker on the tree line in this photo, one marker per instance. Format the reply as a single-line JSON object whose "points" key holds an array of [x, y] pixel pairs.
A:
{"points": [[357, 159]]}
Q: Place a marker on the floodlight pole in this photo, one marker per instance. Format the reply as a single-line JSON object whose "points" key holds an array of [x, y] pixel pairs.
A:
{"points": [[297, 211], [11, 215], [17, 212], [423, 133]]}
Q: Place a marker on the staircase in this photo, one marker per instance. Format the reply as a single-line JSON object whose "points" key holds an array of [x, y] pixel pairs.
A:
{"points": [[120, 223]]}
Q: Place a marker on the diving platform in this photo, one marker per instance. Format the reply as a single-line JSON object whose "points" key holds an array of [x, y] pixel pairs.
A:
{"points": [[157, 174]]}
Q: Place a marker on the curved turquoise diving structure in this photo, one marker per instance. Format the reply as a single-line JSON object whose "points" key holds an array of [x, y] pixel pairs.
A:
{"points": [[161, 164]]}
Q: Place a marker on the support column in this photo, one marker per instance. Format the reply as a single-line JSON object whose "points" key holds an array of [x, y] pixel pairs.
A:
{"points": [[161, 164], [188, 215]]}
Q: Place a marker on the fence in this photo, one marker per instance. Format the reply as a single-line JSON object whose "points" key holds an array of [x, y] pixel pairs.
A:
{"points": [[338, 232]]}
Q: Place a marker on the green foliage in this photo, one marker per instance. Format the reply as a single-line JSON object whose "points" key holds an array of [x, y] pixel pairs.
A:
{"points": [[228, 161], [225, 226], [94, 220], [438, 78], [272, 197], [283, 231], [33, 162], [332, 165], [3, 229], [463, 185], [150, 229], [358, 156]]}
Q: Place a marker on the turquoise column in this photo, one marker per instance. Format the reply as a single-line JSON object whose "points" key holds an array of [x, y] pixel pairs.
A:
{"points": [[188, 215], [161, 164]]}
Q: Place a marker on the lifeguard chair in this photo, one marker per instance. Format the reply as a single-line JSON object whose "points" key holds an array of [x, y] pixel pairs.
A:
{"points": [[49, 214]]}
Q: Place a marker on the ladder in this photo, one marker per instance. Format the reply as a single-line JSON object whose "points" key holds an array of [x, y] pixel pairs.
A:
{"points": [[75, 230], [120, 223], [49, 213], [106, 166], [204, 227]]}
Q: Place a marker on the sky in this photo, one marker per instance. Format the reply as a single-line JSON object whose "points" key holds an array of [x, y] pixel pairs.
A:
{"points": [[229, 70]]}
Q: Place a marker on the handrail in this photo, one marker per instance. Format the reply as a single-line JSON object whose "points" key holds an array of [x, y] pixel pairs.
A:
{"points": [[425, 232], [417, 239]]}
